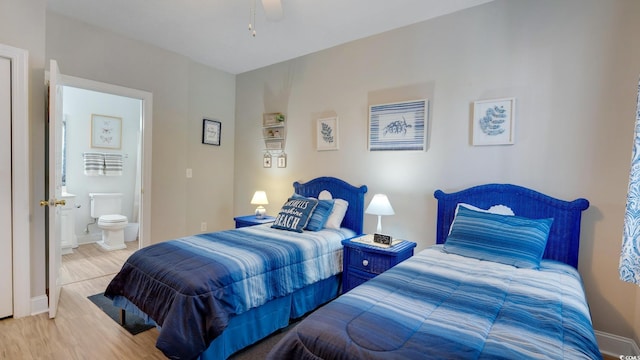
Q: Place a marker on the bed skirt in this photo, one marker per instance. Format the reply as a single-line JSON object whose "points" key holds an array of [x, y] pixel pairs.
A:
{"points": [[256, 324]]}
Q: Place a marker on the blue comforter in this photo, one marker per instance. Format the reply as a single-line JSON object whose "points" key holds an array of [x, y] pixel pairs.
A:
{"points": [[191, 286], [443, 306]]}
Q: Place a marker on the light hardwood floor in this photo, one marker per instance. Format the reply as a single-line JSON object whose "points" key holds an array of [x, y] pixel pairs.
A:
{"points": [[80, 330]]}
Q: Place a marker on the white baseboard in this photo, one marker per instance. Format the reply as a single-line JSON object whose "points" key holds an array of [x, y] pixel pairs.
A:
{"points": [[615, 345], [89, 238], [39, 304]]}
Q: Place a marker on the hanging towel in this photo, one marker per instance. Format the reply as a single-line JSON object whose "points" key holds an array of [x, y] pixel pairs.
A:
{"points": [[113, 164], [93, 163]]}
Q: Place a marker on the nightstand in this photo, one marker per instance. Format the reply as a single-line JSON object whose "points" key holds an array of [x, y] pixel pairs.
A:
{"points": [[362, 262], [251, 220]]}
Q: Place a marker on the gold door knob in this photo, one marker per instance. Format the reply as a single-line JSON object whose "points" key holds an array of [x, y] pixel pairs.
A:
{"points": [[53, 203]]}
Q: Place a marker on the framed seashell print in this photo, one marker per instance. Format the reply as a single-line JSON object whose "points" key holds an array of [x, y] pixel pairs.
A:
{"points": [[398, 126], [494, 122]]}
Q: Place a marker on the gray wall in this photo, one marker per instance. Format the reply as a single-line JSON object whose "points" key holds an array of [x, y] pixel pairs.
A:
{"points": [[572, 65], [183, 93]]}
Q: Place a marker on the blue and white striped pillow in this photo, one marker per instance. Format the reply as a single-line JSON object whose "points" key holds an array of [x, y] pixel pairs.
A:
{"points": [[511, 240], [320, 214]]}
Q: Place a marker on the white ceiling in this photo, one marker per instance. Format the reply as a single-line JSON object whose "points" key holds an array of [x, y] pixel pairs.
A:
{"points": [[215, 32]]}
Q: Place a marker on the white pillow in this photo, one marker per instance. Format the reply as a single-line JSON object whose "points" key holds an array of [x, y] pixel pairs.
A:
{"points": [[337, 214]]}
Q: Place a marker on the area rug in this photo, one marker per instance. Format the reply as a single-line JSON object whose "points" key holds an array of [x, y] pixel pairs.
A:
{"points": [[134, 324]]}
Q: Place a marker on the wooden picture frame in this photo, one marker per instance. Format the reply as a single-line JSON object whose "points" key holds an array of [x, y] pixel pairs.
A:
{"points": [[106, 131]]}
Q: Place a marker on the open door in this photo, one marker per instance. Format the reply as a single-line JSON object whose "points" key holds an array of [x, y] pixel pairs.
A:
{"points": [[54, 186]]}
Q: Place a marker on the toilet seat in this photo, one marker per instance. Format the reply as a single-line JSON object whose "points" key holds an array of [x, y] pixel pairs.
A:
{"points": [[112, 219]]}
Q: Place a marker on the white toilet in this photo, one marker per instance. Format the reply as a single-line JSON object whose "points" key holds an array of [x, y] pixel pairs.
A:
{"points": [[106, 207]]}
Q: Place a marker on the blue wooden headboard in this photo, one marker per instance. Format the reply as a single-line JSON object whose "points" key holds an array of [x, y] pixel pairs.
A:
{"points": [[564, 238], [339, 189]]}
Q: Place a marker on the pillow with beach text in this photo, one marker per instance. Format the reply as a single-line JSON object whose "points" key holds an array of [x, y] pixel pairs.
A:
{"points": [[294, 214]]}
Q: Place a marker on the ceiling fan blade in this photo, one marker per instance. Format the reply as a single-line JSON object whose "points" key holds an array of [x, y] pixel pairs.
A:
{"points": [[273, 9]]}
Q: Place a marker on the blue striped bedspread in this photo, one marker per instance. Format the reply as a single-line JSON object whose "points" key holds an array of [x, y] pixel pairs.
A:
{"points": [[444, 306], [192, 285]]}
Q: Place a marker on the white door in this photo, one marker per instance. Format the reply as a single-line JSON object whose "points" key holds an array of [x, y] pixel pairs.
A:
{"points": [[6, 236], [55, 184]]}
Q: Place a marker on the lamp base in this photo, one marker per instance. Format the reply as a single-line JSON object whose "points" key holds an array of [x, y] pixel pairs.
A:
{"points": [[260, 212]]}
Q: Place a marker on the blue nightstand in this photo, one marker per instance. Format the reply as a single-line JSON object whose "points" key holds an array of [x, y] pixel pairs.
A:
{"points": [[362, 262], [251, 220]]}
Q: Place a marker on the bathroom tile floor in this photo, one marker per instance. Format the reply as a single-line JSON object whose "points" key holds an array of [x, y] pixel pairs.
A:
{"points": [[90, 261]]}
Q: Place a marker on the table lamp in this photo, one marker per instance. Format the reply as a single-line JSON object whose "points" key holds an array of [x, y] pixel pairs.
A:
{"points": [[379, 205], [260, 198]]}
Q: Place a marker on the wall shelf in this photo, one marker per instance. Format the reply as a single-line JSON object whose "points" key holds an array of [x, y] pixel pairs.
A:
{"points": [[274, 131]]}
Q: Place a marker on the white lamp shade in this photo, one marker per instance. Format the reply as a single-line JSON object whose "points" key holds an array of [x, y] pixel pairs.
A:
{"points": [[259, 198], [380, 205]]}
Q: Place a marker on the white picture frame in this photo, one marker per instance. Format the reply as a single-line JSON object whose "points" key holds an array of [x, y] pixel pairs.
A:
{"points": [[282, 160], [399, 126], [266, 160], [106, 131], [493, 122], [327, 134]]}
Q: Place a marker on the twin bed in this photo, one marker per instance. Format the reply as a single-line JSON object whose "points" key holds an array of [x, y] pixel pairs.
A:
{"points": [[214, 294], [493, 288]]}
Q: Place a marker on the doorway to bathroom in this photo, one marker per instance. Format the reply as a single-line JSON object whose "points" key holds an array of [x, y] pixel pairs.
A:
{"points": [[100, 118]]}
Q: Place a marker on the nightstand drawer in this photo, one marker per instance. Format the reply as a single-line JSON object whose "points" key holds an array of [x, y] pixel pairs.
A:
{"points": [[252, 220], [362, 262], [369, 262]]}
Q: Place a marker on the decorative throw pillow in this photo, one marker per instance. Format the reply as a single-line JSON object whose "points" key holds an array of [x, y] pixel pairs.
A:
{"points": [[510, 240], [294, 214], [320, 214], [495, 209]]}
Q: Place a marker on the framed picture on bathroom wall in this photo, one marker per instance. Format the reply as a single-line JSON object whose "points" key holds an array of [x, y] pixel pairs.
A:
{"points": [[106, 132]]}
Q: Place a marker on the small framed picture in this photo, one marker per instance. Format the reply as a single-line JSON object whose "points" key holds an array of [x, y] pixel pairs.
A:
{"points": [[266, 160], [494, 122], [211, 131], [282, 160], [327, 134], [106, 132]]}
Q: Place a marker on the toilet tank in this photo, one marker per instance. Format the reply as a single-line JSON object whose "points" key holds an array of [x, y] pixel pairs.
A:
{"points": [[105, 204]]}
